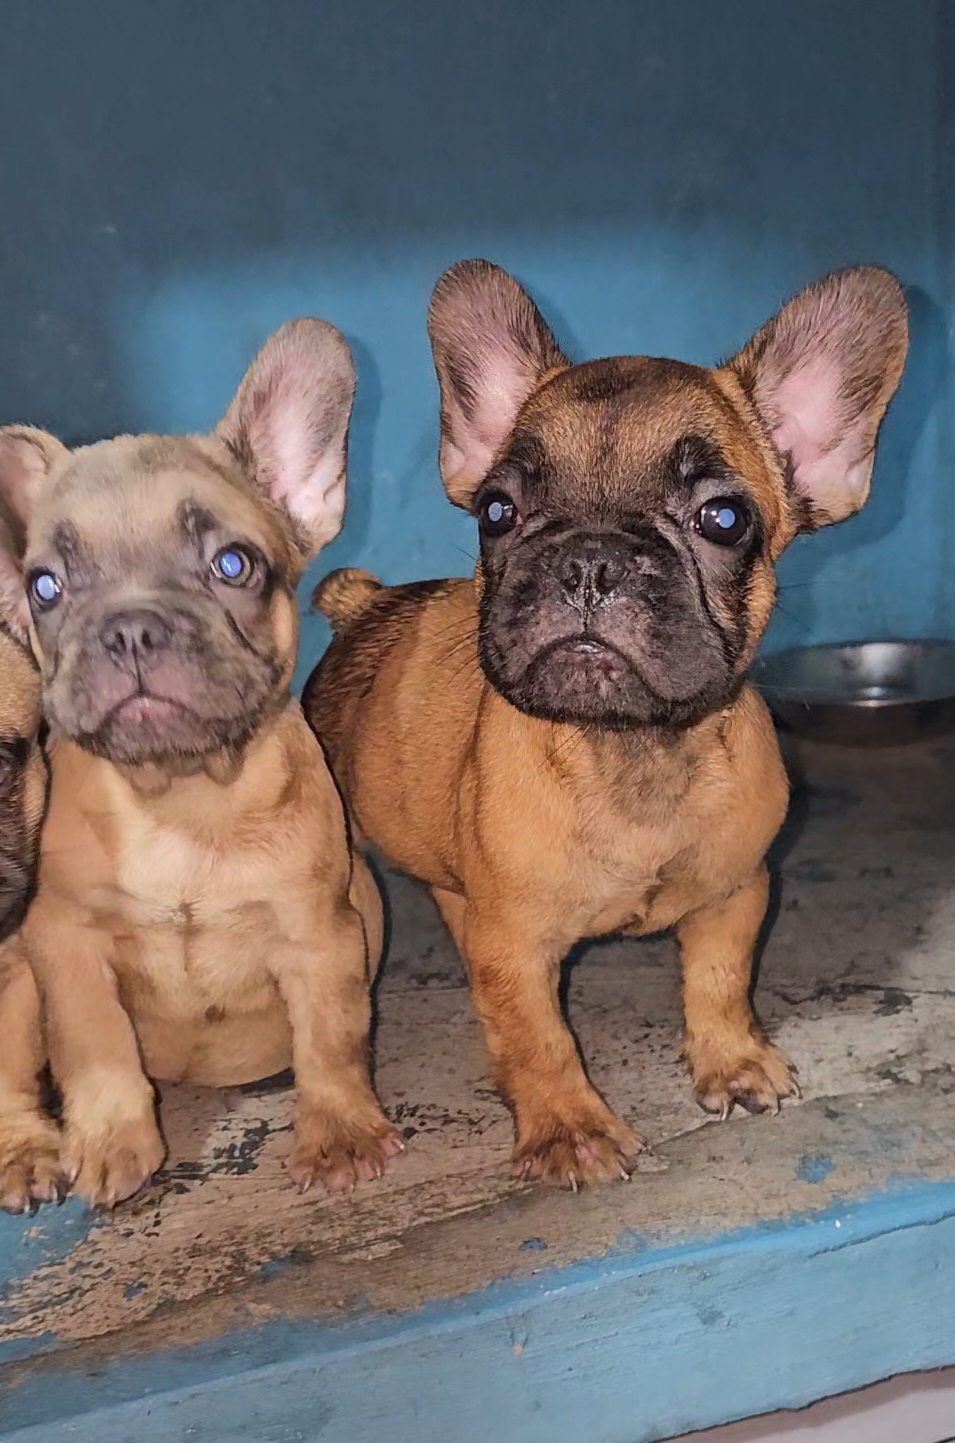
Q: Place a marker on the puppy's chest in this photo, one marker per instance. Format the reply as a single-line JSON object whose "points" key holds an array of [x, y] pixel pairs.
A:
{"points": [[644, 874], [642, 881], [190, 922]]}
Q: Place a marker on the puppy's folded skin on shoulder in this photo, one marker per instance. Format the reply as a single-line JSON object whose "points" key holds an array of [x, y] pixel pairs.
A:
{"points": [[200, 913], [566, 745]]}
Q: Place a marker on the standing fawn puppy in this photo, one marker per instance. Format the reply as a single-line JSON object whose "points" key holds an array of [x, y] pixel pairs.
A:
{"points": [[29, 1140], [200, 913], [567, 745]]}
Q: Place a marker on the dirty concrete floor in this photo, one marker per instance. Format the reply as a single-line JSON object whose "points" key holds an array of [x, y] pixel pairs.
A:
{"points": [[857, 982]]}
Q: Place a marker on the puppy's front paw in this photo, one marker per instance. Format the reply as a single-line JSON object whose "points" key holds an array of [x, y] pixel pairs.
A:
{"points": [[576, 1147], [109, 1161], [30, 1168], [340, 1152], [757, 1076]]}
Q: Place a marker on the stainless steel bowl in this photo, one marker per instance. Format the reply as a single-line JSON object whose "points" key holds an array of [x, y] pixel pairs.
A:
{"points": [[872, 693]]}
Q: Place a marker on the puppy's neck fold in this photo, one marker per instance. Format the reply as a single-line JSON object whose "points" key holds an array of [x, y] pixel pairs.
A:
{"points": [[150, 781], [155, 779], [643, 767]]}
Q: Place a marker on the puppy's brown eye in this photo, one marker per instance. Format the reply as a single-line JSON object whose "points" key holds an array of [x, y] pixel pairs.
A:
{"points": [[497, 514], [723, 520], [233, 565]]}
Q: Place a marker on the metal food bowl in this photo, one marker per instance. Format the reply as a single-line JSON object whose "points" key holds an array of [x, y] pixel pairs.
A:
{"points": [[872, 693]]}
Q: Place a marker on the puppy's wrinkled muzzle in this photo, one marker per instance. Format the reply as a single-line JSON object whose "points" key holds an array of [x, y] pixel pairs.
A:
{"points": [[131, 639], [591, 574], [157, 675], [603, 627]]}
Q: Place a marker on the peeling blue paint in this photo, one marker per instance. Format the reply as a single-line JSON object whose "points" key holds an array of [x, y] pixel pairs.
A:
{"points": [[815, 1167], [646, 1332]]}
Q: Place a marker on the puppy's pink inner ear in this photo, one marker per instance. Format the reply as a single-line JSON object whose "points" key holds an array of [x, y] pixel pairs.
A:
{"points": [[830, 463], [288, 426], [470, 442], [491, 350], [27, 457], [821, 374], [308, 471]]}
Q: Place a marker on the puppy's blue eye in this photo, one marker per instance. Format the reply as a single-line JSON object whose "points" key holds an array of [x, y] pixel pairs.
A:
{"points": [[45, 589], [724, 521], [497, 514], [233, 565]]}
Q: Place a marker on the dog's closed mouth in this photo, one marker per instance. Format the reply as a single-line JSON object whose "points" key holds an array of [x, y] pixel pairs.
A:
{"points": [[143, 706], [587, 646]]}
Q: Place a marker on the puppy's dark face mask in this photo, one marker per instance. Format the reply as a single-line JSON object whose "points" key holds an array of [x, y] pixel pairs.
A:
{"points": [[631, 510], [156, 574], [625, 559]]}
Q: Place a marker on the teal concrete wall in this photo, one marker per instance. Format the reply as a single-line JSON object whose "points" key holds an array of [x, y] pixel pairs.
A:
{"points": [[178, 179]]}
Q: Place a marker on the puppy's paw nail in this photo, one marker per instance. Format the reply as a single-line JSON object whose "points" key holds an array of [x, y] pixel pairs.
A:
{"points": [[725, 1110]]}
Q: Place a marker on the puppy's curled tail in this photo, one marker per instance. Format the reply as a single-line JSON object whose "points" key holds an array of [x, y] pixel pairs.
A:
{"points": [[344, 595]]}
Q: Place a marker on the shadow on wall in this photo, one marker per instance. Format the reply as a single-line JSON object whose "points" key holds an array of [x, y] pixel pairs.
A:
{"points": [[660, 177]]}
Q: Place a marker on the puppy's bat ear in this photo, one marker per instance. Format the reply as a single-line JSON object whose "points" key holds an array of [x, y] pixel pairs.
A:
{"points": [[492, 349], [288, 426], [27, 458], [821, 374]]}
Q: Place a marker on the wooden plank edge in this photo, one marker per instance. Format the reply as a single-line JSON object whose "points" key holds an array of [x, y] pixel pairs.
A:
{"points": [[640, 1345]]}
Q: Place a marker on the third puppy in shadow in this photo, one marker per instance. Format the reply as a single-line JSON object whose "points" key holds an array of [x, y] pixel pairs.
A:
{"points": [[566, 745]]}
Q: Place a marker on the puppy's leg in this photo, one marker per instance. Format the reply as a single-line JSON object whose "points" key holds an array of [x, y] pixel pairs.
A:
{"points": [[29, 1141], [566, 1133], [364, 896], [341, 1134], [729, 1057], [112, 1143]]}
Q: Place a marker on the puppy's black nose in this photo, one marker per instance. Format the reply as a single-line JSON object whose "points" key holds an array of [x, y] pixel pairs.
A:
{"points": [[588, 580], [132, 636]]}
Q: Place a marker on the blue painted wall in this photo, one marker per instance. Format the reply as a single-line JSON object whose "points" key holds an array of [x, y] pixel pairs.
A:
{"points": [[179, 178]]}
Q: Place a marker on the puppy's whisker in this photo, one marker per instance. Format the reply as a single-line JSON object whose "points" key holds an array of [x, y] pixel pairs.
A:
{"points": [[461, 627], [564, 749], [791, 616], [463, 644]]}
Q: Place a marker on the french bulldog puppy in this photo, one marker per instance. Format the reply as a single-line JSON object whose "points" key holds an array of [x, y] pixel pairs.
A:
{"points": [[566, 745], [29, 1140], [200, 913]]}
